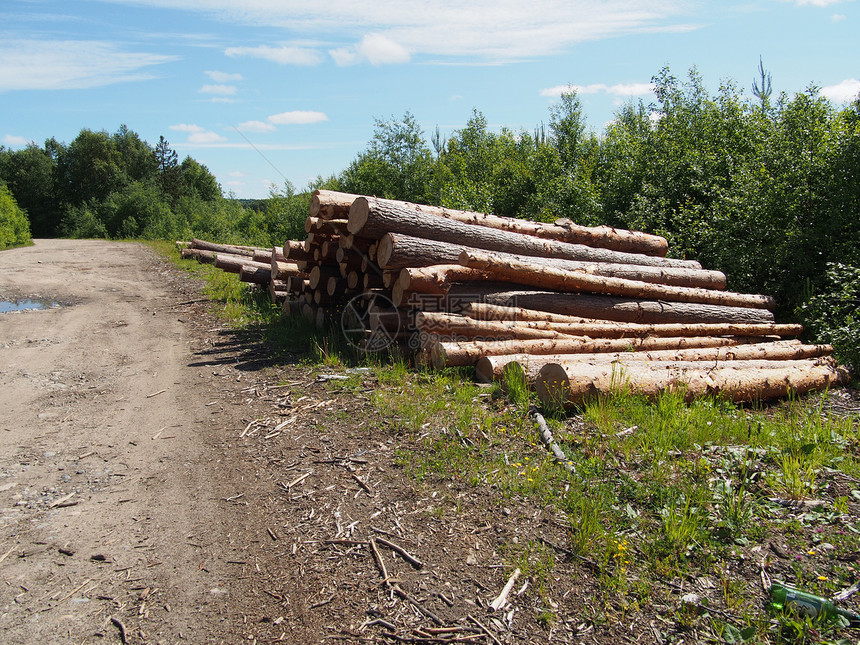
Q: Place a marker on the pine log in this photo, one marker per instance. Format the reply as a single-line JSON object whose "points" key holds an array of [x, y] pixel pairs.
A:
{"points": [[543, 277], [295, 251], [490, 368], [453, 327], [371, 217], [330, 204], [467, 326], [452, 354], [201, 255], [397, 251], [562, 231], [437, 279], [335, 286], [235, 263], [319, 275], [297, 283], [672, 276], [626, 309], [232, 249], [277, 291], [556, 385], [458, 296], [255, 274], [292, 307], [282, 269]]}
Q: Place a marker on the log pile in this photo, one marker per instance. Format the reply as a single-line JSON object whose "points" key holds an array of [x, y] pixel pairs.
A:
{"points": [[581, 310]]}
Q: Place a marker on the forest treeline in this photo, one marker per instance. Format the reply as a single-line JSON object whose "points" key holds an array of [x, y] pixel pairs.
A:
{"points": [[766, 189]]}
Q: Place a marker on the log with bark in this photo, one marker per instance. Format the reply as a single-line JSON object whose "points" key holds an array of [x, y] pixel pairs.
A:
{"points": [[256, 274], [490, 368], [201, 255], [625, 309], [563, 231], [467, 326], [453, 353], [544, 277], [371, 217], [397, 251], [330, 204], [234, 263], [232, 249], [567, 385], [294, 251]]}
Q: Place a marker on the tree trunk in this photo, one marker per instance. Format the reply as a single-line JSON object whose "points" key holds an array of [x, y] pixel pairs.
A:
{"points": [[201, 255], [374, 218], [295, 251], [451, 354], [232, 249], [330, 204], [626, 309], [559, 385], [468, 326], [437, 279], [543, 277], [319, 275], [397, 251], [234, 264], [257, 274], [566, 231], [490, 368], [453, 327]]}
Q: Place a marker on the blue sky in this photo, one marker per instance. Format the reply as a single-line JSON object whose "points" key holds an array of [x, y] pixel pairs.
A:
{"points": [[263, 90]]}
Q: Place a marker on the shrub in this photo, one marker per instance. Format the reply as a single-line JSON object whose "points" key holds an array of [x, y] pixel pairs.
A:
{"points": [[14, 225], [832, 314]]}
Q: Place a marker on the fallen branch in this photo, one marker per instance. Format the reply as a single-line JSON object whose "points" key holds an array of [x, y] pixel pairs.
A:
{"points": [[411, 559], [549, 441], [502, 598]]}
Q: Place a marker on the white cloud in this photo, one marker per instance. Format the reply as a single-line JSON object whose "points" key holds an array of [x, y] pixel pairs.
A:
{"points": [[197, 134], [298, 117], [286, 55], [819, 3], [843, 92], [207, 136], [13, 140], [220, 90], [500, 30], [186, 127], [838, 17], [621, 89], [376, 49], [256, 126], [223, 77], [70, 64]]}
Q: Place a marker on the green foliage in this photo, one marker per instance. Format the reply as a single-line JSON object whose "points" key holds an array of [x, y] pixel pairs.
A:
{"points": [[832, 313], [14, 226]]}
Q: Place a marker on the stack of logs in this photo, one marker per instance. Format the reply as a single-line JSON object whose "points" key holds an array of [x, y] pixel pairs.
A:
{"points": [[581, 310]]}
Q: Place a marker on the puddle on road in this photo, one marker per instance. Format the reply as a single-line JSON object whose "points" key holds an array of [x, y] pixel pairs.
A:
{"points": [[27, 304]]}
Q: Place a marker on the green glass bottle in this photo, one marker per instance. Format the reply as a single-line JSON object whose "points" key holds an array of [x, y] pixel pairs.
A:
{"points": [[807, 604]]}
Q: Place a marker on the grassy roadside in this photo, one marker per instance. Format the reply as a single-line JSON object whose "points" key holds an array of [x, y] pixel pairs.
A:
{"points": [[679, 513]]}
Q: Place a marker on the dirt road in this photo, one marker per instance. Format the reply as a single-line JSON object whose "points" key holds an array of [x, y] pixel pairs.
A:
{"points": [[163, 480], [108, 499]]}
